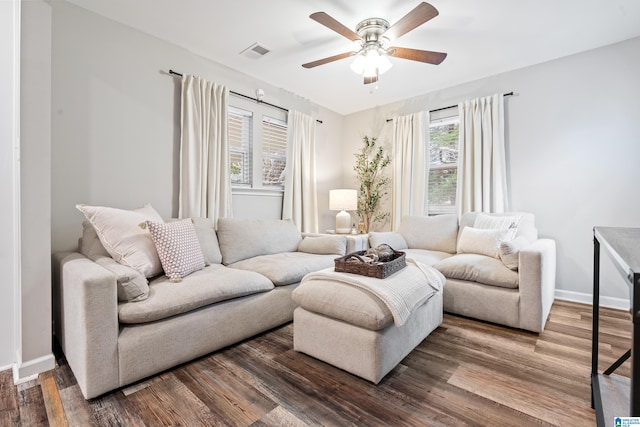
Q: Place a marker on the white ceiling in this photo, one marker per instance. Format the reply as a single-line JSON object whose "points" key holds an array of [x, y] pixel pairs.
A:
{"points": [[481, 38]]}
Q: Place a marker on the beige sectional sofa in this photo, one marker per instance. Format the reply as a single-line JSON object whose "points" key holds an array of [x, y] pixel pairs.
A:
{"points": [[253, 266], [116, 329], [492, 275]]}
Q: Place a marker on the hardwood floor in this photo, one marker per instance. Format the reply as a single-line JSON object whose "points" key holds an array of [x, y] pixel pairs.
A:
{"points": [[465, 373]]}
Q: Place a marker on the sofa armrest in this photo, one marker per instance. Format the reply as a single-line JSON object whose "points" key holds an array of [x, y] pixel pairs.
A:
{"points": [[537, 283], [86, 321]]}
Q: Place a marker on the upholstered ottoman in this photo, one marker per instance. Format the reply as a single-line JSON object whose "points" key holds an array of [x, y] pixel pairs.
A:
{"points": [[342, 319]]}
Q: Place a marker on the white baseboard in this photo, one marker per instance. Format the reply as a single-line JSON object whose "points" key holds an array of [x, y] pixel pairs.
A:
{"points": [[30, 369], [610, 302], [6, 368]]}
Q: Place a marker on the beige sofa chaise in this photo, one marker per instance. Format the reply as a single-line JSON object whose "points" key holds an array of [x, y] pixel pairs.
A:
{"points": [[497, 269], [253, 266]]}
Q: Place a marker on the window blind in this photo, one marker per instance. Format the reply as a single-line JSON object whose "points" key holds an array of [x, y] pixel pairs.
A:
{"points": [[239, 129], [274, 151]]}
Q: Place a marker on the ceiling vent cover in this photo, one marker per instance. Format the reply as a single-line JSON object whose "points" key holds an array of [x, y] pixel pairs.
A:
{"points": [[255, 51]]}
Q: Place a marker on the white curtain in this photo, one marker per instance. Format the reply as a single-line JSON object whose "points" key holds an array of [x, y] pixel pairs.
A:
{"points": [[410, 166], [482, 175], [205, 182], [300, 203]]}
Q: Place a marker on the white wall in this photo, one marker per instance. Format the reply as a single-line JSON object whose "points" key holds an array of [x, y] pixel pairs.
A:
{"points": [[573, 144], [572, 135], [9, 76], [34, 317], [116, 115], [25, 252]]}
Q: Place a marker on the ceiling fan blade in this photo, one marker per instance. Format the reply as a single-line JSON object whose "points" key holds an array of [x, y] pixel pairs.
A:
{"points": [[418, 16], [427, 56], [334, 25], [369, 80], [327, 60]]}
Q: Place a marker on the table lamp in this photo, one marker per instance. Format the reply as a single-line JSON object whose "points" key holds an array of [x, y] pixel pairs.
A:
{"points": [[343, 200]]}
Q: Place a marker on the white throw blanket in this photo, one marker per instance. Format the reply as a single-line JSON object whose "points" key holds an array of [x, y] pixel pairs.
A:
{"points": [[402, 292]]}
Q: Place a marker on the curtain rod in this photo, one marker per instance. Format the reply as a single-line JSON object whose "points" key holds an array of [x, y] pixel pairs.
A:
{"points": [[286, 110], [453, 106]]}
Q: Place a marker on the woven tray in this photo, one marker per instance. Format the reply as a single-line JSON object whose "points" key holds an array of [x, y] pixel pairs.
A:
{"points": [[354, 263]]}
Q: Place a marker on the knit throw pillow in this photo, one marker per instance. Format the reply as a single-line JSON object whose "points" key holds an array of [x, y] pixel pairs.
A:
{"points": [[178, 248]]}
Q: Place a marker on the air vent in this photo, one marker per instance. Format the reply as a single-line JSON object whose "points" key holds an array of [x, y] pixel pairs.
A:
{"points": [[255, 51]]}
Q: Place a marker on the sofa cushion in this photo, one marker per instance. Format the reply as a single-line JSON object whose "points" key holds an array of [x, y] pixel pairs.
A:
{"points": [[483, 242], [478, 268], [393, 239], [287, 267], [350, 304], [436, 233], [324, 245], [178, 247], [426, 256], [213, 284], [121, 234], [132, 286], [246, 238]]}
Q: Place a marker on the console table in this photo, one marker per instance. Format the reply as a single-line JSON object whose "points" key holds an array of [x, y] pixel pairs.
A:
{"points": [[614, 395]]}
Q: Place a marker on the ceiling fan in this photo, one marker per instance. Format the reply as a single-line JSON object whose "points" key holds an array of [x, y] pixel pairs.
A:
{"points": [[373, 34]]}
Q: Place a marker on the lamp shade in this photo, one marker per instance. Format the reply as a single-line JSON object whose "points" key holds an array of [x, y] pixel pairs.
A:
{"points": [[343, 199]]}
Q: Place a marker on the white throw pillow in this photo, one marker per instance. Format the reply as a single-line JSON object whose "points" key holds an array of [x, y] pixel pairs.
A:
{"points": [[324, 245], [178, 248], [122, 235], [90, 245], [483, 242], [510, 252], [499, 222]]}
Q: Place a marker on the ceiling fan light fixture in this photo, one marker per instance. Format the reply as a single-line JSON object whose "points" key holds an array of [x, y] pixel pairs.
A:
{"points": [[371, 54], [371, 63]]}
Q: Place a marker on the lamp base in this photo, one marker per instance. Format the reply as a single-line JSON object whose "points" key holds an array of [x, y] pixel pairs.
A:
{"points": [[343, 222]]}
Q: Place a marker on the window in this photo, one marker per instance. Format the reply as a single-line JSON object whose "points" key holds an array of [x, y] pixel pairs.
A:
{"points": [[240, 125], [443, 165], [274, 151], [257, 148]]}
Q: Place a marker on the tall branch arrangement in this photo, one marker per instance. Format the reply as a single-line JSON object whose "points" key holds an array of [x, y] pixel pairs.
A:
{"points": [[370, 164]]}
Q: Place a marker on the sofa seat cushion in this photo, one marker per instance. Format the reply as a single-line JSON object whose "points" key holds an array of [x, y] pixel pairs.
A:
{"points": [[478, 268], [426, 256], [213, 284], [287, 267], [349, 304]]}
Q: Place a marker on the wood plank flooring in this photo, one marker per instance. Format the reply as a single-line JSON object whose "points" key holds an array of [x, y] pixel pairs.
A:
{"points": [[465, 373]]}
